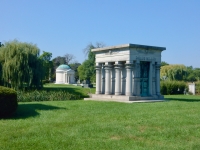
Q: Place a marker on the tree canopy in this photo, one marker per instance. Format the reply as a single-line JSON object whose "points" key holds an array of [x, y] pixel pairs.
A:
{"points": [[20, 65], [173, 72], [86, 71], [47, 65]]}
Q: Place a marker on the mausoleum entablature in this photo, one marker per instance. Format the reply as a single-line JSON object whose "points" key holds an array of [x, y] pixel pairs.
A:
{"points": [[128, 52]]}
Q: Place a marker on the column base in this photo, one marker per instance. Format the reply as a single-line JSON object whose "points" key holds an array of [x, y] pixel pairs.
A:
{"points": [[128, 94], [106, 93], [97, 92], [118, 93], [124, 98]]}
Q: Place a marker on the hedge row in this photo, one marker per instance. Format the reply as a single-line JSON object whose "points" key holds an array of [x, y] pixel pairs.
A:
{"points": [[172, 87], [42, 95]]}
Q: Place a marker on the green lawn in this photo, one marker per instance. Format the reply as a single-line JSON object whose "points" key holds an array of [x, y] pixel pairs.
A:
{"points": [[78, 90], [90, 125]]}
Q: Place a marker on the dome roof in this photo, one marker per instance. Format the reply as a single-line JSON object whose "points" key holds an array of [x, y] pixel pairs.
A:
{"points": [[63, 67]]}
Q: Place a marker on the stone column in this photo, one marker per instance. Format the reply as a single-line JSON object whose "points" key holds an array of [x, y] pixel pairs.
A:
{"points": [[128, 79], [102, 80], [98, 79], [133, 80], [150, 78], [157, 79], [137, 78], [69, 79], [108, 69], [65, 77], [112, 80], [153, 79], [118, 68], [123, 80]]}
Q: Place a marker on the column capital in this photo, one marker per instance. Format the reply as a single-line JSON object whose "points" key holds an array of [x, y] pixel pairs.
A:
{"points": [[97, 67], [118, 66], [129, 65], [108, 67]]}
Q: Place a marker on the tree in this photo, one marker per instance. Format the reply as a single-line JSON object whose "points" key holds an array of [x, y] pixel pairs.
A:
{"points": [[193, 74], [74, 66], [21, 65], [1, 44], [86, 71], [69, 58], [90, 46], [174, 72], [163, 63], [47, 65]]}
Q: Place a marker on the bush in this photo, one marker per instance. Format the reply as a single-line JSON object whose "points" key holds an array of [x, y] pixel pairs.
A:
{"points": [[172, 87], [8, 101], [197, 87], [42, 95]]}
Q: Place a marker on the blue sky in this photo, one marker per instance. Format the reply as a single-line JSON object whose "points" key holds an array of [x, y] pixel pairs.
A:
{"points": [[68, 26]]}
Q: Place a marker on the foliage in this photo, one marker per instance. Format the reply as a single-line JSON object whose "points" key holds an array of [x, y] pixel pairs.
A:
{"points": [[21, 66], [55, 92], [193, 74], [104, 125], [172, 87], [197, 87], [42, 95], [74, 66], [8, 101], [173, 72], [47, 64], [163, 63], [87, 70]]}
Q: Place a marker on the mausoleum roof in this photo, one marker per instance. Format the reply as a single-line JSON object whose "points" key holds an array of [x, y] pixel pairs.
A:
{"points": [[129, 46], [63, 67]]}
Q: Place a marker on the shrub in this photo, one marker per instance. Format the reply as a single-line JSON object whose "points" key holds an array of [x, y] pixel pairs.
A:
{"points": [[197, 87], [8, 101], [42, 95], [172, 87]]}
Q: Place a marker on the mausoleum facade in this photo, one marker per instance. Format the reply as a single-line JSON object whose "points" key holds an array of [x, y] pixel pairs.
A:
{"points": [[64, 75], [128, 72]]}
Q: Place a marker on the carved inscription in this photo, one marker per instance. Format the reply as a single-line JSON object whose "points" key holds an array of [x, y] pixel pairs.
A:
{"points": [[144, 51], [111, 53], [145, 58]]}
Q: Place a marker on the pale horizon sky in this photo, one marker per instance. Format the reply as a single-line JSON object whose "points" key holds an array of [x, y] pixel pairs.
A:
{"points": [[68, 26]]}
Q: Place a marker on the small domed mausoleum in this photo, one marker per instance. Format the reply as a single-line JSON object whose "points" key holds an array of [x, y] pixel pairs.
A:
{"points": [[64, 75]]}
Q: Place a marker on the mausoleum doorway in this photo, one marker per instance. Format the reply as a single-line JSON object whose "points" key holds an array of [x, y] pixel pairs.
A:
{"points": [[144, 78]]}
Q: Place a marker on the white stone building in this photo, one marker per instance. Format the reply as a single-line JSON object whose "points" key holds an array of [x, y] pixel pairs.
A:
{"points": [[128, 72], [64, 75]]}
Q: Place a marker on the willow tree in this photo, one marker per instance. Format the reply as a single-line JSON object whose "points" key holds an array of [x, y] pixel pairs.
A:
{"points": [[173, 72], [21, 65]]}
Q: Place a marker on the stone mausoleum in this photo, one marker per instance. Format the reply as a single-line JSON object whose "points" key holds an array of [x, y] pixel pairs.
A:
{"points": [[64, 75], [128, 72]]}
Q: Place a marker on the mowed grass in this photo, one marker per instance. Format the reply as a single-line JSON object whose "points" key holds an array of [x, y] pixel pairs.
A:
{"points": [[78, 90], [91, 125]]}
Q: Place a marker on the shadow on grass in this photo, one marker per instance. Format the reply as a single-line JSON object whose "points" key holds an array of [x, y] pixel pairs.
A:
{"points": [[183, 99], [30, 110]]}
